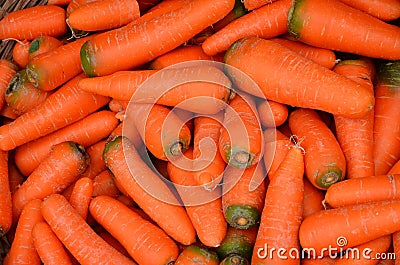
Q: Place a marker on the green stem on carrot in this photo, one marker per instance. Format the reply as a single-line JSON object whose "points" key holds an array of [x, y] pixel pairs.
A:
{"points": [[329, 177], [242, 216], [86, 60], [389, 73], [294, 24], [235, 244]]}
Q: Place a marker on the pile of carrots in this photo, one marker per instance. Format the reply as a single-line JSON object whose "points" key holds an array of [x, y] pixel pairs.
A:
{"points": [[201, 132]]}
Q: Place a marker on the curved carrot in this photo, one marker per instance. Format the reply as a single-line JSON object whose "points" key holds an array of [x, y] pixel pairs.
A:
{"points": [[131, 231], [324, 161], [197, 254], [85, 132], [281, 216], [360, 34], [103, 15], [266, 22], [111, 52], [97, 164], [128, 168], [384, 9], [68, 225], [275, 149], [81, 196], [103, 184], [313, 199], [355, 136], [241, 139], [22, 250], [271, 113], [67, 105], [60, 168], [386, 134], [47, 20], [7, 71], [5, 195], [255, 57], [20, 53], [43, 44], [51, 251]]}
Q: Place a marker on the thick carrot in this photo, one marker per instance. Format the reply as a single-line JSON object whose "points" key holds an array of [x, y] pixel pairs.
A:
{"points": [[51, 251], [69, 226], [312, 200], [276, 147], [386, 128], [197, 254], [108, 53], [97, 164], [85, 132], [21, 95], [324, 161], [67, 105], [7, 71], [266, 22], [33, 22], [145, 242], [139, 181], [334, 29], [208, 163], [103, 15], [238, 241], [369, 220], [282, 215], [243, 194], [53, 68], [60, 168], [288, 80], [271, 113], [384, 9], [321, 56], [20, 54], [5, 195], [82, 195], [22, 250], [43, 44], [355, 136], [113, 242], [103, 184], [241, 139]]}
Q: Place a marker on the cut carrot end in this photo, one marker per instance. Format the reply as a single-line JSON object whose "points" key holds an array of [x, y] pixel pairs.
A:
{"points": [[234, 259], [242, 216], [239, 158], [32, 76], [330, 177], [86, 61], [112, 144], [15, 83], [236, 244], [294, 23]]}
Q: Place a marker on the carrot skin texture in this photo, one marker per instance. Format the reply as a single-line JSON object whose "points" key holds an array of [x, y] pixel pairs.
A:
{"points": [[5, 195], [103, 60], [103, 184], [254, 4], [81, 196], [43, 44], [312, 199], [271, 113], [65, 221], [20, 54], [286, 84], [7, 71], [33, 22], [159, 248], [59, 110], [97, 164], [361, 34], [384, 9], [197, 254]]}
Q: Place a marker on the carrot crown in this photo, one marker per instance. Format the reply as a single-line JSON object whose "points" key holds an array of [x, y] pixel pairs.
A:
{"points": [[294, 22], [389, 73], [86, 61]]}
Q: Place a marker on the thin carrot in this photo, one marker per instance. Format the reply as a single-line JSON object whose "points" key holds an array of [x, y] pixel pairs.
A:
{"points": [[266, 22], [238, 241], [312, 200], [20, 53], [276, 147], [130, 131], [145, 5], [241, 139], [85, 132], [103, 184], [58, 2], [360, 33], [159, 9], [68, 225], [324, 161], [15, 177], [60, 168], [272, 113], [118, 106], [8, 114], [51, 251], [7, 71], [254, 4], [158, 249], [355, 136], [243, 194], [385, 9], [22, 250], [183, 23], [288, 79], [5, 195], [139, 181], [81, 196], [97, 164], [103, 15], [197, 254], [386, 134], [237, 11], [32, 22], [43, 44], [370, 220], [67, 105]]}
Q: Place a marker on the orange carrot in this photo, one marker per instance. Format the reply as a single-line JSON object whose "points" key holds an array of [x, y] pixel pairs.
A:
{"points": [[67, 105], [266, 22], [321, 56], [312, 200], [7, 71], [254, 4], [208, 170], [386, 134], [360, 34], [74, 4], [60, 168], [237, 11], [58, 2], [20, 53], [22, 250], [51, 251], [282, 215], [383, 9], [243, 194], [395, 169], [118, 106], [311, 260], [113, 242], [68, 225], [15, 177], [129, 130], [33, 22], [197, 254], [8, 114], [238, 241], [43, 44], [271, 113], [355, 136], [85, 132], [97, 164], [81, 196], [275, 149], [324, 161], [107, 53], [103, 15], [5, 195], [103, 184], [145, 5], [158, 247], [139, 181], [285, 84], [241, 139]]}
